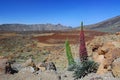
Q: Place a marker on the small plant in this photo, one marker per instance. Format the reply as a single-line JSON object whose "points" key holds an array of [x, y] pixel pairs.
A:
{"points": [[69, 54], [85, 68]]}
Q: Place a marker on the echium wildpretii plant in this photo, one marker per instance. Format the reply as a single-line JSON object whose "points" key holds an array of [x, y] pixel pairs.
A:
{"points": [[69, 53], [82, 50], [85, 66]]}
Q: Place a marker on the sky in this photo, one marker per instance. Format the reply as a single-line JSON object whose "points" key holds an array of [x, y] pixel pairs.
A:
{"points": [[65, 12]]}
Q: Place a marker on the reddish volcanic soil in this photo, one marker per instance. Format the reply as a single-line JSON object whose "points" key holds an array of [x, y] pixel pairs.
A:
{"points": [[73, 36]]}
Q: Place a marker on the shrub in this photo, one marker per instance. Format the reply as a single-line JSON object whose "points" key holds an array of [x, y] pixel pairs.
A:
{"points": [[85, 68]]}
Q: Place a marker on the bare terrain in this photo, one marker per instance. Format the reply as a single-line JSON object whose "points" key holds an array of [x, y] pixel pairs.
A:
{"points": [[27, 49], [71, 35]]}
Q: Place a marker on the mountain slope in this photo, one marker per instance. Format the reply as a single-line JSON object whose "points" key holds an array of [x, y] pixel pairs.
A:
{"points": [[34, 27], [109, 25]]}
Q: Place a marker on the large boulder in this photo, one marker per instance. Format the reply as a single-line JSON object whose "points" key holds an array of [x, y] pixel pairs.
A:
{"points": [[17, 66], [28, 69]]}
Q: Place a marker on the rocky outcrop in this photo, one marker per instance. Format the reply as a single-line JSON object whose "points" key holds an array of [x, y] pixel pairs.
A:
{"points": [[108, 59], [106, 52], [116, 67]]}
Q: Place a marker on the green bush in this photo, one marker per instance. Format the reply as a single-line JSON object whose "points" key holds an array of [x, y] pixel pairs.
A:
{"points": [[85, 68]]}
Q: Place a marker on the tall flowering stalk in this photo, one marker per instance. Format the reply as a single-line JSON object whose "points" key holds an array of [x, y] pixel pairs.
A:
{"points": [[82, 49], [69, 53]]}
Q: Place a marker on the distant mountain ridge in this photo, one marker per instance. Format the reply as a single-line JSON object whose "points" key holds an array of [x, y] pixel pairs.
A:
{"points": [[32, 27], [109, 25]]}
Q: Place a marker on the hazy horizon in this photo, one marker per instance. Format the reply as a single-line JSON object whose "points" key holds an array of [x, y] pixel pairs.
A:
{"points": [[65, 12]]}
